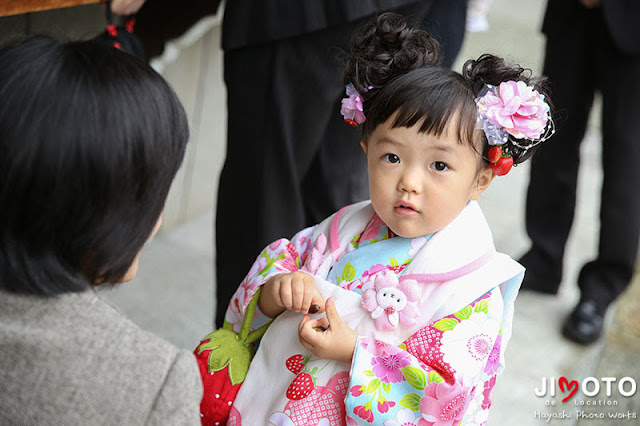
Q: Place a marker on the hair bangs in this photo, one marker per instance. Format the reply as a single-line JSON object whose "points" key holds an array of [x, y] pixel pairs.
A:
{"points": [[435, 99]]}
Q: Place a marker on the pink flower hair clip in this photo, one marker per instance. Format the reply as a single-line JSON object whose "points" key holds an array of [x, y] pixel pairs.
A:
{"points": [[351, 109], [511, 113]]}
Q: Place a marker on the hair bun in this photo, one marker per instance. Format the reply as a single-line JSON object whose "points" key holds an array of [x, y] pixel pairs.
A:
{"points": [[388, 47]]}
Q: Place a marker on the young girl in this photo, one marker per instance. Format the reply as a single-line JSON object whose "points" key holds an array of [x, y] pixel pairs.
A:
{"points": [[417, 302]]}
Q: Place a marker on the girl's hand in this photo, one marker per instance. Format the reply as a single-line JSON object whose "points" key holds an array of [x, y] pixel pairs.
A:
{"points": [[337, 342], [295, 291], [126, 7]]}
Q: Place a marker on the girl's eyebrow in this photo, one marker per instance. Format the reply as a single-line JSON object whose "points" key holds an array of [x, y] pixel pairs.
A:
{"points": [[388, 140], [443, 148]]}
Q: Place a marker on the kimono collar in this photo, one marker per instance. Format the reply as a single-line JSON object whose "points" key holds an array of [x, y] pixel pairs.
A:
{"points": [[442, 258]]}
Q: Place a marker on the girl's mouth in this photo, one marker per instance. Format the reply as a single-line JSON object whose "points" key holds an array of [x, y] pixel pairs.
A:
{"points": [[405, 209]]}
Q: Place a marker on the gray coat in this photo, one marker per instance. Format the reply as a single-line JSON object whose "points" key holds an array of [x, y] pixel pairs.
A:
{"points": [[74, 360]]}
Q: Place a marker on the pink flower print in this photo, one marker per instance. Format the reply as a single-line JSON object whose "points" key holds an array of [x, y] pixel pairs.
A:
{"points": [[364, 412], [491, 367], [374, 346], [391, 302], [316, 256], [383, 406], [378, 267], [487, 392], [406, 417], [516, 107], [287, 264], [373, 228], [357, 390], [250, 281], [444, 404], [388, 367], [397, 269], [353, 285], [303, 242], [274, 245], [468, 346]]}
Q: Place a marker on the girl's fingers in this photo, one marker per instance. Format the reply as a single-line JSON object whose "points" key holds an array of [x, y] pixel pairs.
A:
{"points": [[285, 294], [306, 303], [332, 312], [318, 301], [306, 329], [297, 295], [275, 292]]}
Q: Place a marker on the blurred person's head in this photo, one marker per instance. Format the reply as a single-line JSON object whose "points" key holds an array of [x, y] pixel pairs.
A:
{"points": [[90, 141]]}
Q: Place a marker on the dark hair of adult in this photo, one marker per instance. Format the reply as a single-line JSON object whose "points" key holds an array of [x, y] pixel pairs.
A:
{"points": [[397, 70], [90, 141]]}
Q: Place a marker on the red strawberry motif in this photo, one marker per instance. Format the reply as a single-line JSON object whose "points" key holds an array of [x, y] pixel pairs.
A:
{"points": [[224, 357], [503, 166], [495, 153], [325, 402], [301, 386], [296, 363], [219, 391]]}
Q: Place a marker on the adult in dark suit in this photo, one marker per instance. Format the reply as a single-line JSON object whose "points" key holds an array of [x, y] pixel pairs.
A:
{"points": [[291, 159], [592, 45]]}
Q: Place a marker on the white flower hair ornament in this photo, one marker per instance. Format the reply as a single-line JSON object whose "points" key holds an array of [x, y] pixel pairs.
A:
{"points": [[512, 114], [391, 302]]}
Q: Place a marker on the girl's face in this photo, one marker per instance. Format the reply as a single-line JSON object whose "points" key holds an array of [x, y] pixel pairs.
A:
{"points": [[419, 183]]}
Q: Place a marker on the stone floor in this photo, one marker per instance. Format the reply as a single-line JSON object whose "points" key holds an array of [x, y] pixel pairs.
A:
{"points": [[173, 293]]}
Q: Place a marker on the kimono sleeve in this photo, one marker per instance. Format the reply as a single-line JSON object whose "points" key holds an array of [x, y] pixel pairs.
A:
{"points": [[442, 375], [280, 257]]}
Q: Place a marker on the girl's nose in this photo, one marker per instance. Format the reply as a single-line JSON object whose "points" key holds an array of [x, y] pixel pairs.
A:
{"points": [[411, 182]]}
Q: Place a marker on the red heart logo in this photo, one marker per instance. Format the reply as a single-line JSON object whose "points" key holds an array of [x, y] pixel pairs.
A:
{"points": [[571, 386]]}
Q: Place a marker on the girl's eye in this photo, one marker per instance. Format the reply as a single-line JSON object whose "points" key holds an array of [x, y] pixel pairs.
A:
{"points": [[439, 166], [391, 158]]}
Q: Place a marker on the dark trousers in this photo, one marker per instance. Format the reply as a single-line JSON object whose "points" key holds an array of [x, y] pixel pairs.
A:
{"points": [[445, 21], [291, 159], [580, 60]]}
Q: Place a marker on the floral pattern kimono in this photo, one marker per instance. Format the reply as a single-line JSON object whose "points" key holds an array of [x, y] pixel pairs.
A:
{"points": [[433, 315]]}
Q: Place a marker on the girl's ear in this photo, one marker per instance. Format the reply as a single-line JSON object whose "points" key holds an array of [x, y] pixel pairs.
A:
{"points": [[483, 180], [363, 144]]}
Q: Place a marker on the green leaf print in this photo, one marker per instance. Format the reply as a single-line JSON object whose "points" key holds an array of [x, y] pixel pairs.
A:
{"points": [[415, 377], [434, 377], [373, 386], [411, 401], [393, 262], [354, 241], [446, 324], [482, 306], [464, 313], [386, 387], [349, 272], [270, 263], [369, 373]]}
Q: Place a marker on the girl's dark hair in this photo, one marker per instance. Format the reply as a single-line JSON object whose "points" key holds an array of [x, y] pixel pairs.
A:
{"points": [[397, 71], [90, 141]]}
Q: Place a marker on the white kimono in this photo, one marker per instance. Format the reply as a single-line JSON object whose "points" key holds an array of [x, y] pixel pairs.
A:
{"points": [[432, 329]]}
